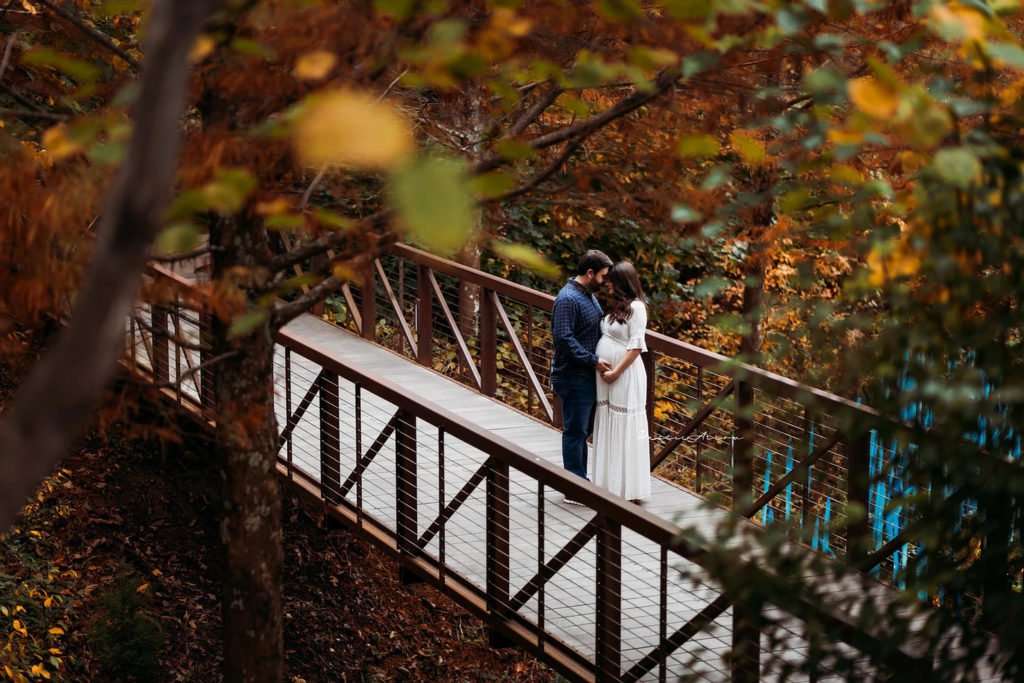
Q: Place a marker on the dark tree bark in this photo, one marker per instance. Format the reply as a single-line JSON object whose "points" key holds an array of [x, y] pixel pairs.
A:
{"points": [[63, 391], [247, 447]]}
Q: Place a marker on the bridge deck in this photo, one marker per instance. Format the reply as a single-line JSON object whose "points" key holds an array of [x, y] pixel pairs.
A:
{"points": [[569, 612]]}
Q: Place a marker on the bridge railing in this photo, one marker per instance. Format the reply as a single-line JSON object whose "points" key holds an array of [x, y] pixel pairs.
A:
{"points": [[494, 336], [606, 591]]}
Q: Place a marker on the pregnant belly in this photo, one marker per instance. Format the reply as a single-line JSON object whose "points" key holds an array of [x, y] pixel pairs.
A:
{"points": [[610, 350]]}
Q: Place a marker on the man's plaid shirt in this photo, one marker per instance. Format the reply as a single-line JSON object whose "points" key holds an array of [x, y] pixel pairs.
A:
{"points": [[576, 325]]}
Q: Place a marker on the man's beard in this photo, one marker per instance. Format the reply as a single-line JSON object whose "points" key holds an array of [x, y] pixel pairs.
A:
{"points": [[594, 286]]}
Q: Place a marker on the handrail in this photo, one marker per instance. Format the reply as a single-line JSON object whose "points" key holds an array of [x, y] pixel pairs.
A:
{"points": [[613, 513]]}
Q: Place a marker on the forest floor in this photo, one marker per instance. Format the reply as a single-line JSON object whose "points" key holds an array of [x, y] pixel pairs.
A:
{"points": [[111, 573]]}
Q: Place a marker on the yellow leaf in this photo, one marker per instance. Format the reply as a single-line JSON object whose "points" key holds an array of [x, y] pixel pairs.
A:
{"points": [[48, 603], [268, 208], [314, 66], [55, 651], [56, 631], [38, 670], [19, 627], [957, 23], [57, 143], [505, 19], [201, 49], [748, 147], [350, 128], [844, 137], [872, 97], [143, 587]]}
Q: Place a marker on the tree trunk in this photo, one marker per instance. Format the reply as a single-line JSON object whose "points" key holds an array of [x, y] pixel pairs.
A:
{"points": [[251, 528]]}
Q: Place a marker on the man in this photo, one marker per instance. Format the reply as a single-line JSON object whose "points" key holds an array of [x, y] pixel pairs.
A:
{"points": [[576, 327]]}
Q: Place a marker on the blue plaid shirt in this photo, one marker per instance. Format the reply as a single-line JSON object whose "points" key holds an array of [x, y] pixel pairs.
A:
{"points": [[576, 325]]}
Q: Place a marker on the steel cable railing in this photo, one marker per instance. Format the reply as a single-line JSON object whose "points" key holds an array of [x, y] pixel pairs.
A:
{"points": [[595, 590]]}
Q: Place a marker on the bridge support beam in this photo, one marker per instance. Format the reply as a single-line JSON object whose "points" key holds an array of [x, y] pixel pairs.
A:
{"points": [[488, 343], [497, 590]]}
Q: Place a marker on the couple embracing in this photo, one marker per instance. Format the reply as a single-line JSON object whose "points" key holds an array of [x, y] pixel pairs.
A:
{"points": [[598, 377]]}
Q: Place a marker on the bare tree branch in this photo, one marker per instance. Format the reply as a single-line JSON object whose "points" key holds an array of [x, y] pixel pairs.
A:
{"points": [[174, 339], [329, 241], [533, 113], [583, 129], [63, 390], [183, 256], [69, 14], [176, 384], [547, 172], [33, 114], [7, 54], [285, 312]]}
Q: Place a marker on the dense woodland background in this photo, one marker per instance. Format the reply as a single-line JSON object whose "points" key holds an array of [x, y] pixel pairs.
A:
{"points": [[831, 190]]}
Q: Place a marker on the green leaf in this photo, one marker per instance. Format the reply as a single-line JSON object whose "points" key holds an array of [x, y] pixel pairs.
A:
{"points": [[684, 214], [332, 220], [514, 150], [689, 10], [80, 71], [1009, 53], [247, 323], [698, 146], [252, 48], [957, 166], [492, 184], [177, 238], [528, 258], [227, 192], [433, 200], [399, 9], [710, 286]]}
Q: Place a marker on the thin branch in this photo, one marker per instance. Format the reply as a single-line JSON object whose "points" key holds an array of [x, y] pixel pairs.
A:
{"points": [[7, 54], [71, 15], [32, 114], [174, 339], [285, 312], [329, 241], [547, 172], [176, 384], [64, 388], [184, 256], [533, 113], [583, 129]]}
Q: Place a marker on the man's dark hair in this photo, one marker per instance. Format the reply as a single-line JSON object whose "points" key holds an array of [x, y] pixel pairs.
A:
{"points": [[593, 260]]}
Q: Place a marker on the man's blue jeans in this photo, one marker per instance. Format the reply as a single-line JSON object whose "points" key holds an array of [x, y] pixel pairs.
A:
{"points": [[578, 394]]}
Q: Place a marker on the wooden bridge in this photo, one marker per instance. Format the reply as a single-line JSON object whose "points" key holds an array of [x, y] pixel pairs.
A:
{"points": [[435, 436]]}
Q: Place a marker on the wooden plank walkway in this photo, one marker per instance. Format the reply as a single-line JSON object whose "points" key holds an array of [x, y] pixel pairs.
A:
{"points": [[569, 610]]}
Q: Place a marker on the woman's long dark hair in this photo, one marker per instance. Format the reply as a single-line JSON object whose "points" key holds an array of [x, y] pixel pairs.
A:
{"points": [[626, 288]]}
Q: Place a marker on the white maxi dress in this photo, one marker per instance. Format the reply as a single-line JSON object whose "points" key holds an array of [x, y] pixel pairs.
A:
{"points": [[622, 461]]}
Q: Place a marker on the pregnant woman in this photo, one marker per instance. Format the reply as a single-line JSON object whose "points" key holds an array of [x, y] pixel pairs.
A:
{"points": [[622, 462]]}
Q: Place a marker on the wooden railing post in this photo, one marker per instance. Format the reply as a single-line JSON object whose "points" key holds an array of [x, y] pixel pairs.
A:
{"points": [[406, 498], [497, 590], [161, 344], [651, 368], [609, 601], [424, 317], [858, 462], [330, 439], [488, 343], [368, 304], [746, 632]]}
